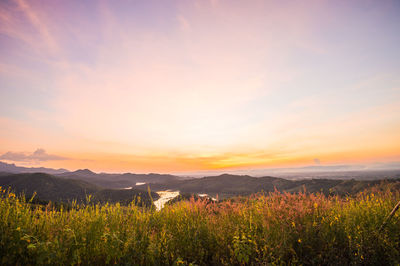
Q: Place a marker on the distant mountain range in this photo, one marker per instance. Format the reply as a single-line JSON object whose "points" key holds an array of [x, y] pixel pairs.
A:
{"points": [[12, 168], [102, 179], [345, 171]]}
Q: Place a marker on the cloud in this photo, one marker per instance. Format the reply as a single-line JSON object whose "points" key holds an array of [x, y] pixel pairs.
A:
{"points": [[40, 155], [317, 161], [184, 24], [39, 25]]}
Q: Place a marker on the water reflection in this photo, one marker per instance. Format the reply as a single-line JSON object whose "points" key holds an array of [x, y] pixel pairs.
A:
{"points": [[165, 196]]}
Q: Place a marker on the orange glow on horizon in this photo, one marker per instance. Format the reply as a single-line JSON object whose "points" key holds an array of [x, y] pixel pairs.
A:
{"points": [[175, 164]]}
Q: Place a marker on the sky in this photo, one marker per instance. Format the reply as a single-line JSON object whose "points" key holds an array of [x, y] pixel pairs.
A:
{"points": [[186, 86]]}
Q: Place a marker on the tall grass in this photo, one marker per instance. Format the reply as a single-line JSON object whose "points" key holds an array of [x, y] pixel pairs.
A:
{"points": [[270, 228]]}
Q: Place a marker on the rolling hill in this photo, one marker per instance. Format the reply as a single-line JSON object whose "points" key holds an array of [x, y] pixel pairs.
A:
{"points": [[56, 189], [227, 185], [119, 180], [66, 186], [112, 181]]}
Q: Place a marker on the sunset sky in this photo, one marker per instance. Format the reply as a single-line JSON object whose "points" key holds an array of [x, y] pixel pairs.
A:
{"points": [[184, 86]]}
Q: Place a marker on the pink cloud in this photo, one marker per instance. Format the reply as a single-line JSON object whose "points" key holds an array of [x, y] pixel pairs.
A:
{"points": [[40, 155]]}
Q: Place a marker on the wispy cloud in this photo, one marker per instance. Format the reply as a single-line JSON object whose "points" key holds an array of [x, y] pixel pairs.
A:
{"points": [[317, 161], [39, 25], [184, 24], [40, 155], [25, 22]]}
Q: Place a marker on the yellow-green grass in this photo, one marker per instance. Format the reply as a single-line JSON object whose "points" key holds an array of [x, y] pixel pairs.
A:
{"points": [[270, 228]]}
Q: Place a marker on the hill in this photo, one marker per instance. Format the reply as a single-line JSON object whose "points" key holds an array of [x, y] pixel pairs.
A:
{"points": [[227, 185], [112, 181], [56, 189], [119, 180]]}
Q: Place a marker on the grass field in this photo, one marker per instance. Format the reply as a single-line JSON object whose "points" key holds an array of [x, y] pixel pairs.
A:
{"points": [[270, 228]]}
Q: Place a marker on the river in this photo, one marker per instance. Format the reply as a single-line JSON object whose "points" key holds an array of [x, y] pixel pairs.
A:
{"points": [[165, 196]]}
